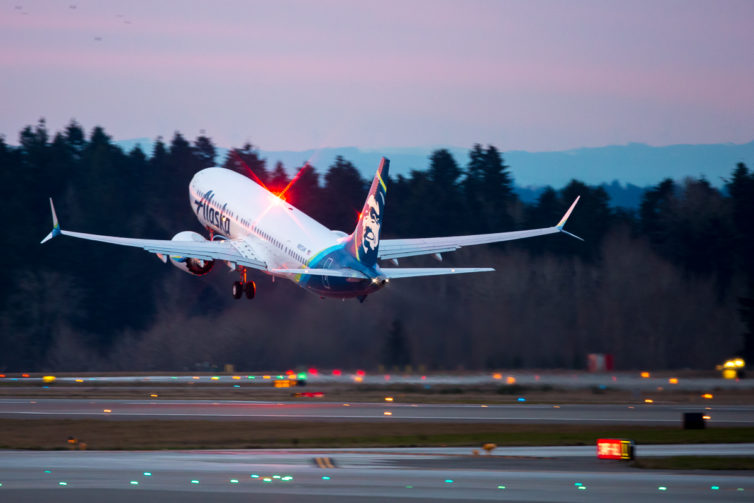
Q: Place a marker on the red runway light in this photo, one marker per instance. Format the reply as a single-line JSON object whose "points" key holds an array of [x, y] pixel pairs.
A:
{"points": [[360, 373], [336, 372], [24, 375], [312, 371]]}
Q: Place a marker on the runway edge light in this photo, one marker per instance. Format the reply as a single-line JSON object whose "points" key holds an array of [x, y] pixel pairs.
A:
{"points": [[615, 448]]}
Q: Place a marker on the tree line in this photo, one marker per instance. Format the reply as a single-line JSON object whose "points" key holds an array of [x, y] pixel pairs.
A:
{"points": [[670, 285]]}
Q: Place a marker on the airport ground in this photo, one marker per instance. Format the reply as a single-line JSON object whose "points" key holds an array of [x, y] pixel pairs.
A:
{"points": [[424, 444]]}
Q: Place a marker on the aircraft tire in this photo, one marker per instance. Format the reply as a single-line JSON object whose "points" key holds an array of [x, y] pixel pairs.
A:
{"points": [[250, 288], [237, 289]]}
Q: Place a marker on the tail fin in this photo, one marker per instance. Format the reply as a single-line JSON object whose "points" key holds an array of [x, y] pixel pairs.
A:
{"points": [[365, 240]]}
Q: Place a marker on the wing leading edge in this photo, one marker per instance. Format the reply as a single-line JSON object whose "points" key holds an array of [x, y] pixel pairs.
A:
{"points": [[398, 248]]}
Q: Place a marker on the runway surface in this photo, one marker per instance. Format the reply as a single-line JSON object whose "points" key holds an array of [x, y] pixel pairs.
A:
{"points": [[561, 379], [644, 414], [565, 474]]}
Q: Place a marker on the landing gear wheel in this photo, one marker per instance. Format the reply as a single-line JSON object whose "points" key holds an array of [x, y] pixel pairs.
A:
{"points": [[250, 289], [237, 289]]}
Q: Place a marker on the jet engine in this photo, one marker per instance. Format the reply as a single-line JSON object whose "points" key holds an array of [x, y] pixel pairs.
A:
{"points": [[194, 266]]}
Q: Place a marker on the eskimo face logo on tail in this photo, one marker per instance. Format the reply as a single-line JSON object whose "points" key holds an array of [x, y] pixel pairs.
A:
{"points": [[372, 220], [213, 217]]}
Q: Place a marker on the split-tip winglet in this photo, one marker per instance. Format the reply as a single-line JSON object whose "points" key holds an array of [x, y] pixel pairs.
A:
{"points": [[565, 218], [55, 225]]}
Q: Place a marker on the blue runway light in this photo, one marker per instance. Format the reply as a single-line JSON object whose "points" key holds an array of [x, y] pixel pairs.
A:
{"points": [[448, 481], [521, 399], [236, 385], [254, 476], [577, 484]]}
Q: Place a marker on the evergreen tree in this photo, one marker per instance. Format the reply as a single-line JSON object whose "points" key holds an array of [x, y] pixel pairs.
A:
{"points": [[396, 352], [205, 152], [247, 162], [278, 179], [343, 194]]}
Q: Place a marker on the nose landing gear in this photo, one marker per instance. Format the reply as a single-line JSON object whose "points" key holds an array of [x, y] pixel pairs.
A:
{"points": [[244, 287]]}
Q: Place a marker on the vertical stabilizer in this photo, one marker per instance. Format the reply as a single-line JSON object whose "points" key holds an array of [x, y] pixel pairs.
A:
{"points": [[365, 240]]}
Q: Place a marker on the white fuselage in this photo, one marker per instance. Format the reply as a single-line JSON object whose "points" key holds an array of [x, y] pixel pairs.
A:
{"points": [[231, 205]]}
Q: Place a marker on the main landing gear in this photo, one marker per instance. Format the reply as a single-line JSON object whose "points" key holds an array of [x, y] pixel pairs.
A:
{"points": [[244, 287]]}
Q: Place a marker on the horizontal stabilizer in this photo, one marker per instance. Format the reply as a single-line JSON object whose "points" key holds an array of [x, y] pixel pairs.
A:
{"points": [[413, 272], [338, 273]]}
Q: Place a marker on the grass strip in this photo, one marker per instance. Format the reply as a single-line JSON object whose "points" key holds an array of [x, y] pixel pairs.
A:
{"points": [[111, 434], [697, 463]]}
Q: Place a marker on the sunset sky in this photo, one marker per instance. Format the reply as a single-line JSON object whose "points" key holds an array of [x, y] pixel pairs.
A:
{"points": [[539, 75]]}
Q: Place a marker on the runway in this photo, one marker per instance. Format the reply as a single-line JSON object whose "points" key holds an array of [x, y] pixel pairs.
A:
{"points": [[560, 379], [597, 414], [566, 474]]}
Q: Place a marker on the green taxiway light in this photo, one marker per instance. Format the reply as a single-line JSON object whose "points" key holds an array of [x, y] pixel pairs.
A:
{"points": [[234, 481], [662, 488], [254, 476], [577, 484], [147, 474], [302, 376], [134, 482], [325, 477], [194, 481], [714, 488], [276, 476], [501, 487], [448, 481], [582, 488], [62, 483], [48, 471], [409, 487]]}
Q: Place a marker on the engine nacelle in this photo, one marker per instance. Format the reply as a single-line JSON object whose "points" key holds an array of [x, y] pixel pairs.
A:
{"points": [[194, 266]]}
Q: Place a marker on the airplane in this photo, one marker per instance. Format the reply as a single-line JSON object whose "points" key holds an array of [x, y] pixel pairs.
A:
{"points": [[253, 228]]}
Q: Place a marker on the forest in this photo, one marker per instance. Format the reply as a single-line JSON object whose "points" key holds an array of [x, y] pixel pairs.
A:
{"points": [[668, 286]]}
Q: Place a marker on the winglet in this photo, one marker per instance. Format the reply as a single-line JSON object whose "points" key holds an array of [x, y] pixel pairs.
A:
{"points": [[55, 225], [565, 218]]}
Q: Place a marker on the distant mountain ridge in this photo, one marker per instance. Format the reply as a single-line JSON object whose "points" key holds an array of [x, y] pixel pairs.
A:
{"points": [[636, 163]]}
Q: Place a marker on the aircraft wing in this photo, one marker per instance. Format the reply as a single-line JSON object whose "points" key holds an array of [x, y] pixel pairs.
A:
{"points": [[397, 248], [413, 272], [337, 273], [235, 251]]}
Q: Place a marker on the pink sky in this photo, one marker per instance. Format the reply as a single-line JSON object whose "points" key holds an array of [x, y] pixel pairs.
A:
{"points": [[542, 75]]}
